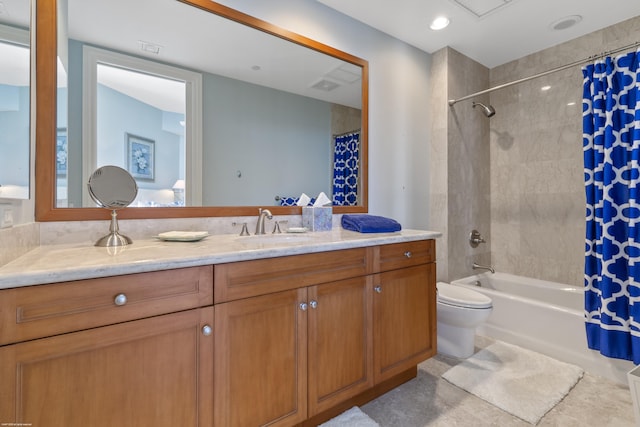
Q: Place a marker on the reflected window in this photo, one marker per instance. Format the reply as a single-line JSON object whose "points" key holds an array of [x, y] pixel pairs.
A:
{"points": [[142, 116], [146, 113], [14, 113]]}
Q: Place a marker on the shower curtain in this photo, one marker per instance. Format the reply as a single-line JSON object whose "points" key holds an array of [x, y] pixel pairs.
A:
{"points": [[345, 169], [611, 143]]}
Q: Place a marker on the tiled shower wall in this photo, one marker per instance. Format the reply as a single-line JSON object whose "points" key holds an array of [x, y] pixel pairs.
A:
{"points": [[516, 177], [459, 164], [537, 192]]}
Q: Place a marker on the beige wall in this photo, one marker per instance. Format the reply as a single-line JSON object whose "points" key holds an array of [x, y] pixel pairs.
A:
{"points": [[537, 189]]}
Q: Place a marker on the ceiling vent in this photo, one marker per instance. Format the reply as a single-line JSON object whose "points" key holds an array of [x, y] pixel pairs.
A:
{"points": [[482, 8], [346, 73], [325, 85]]}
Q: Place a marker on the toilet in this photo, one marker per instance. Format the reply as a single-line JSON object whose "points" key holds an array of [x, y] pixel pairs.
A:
{"points": [[459, 311]]}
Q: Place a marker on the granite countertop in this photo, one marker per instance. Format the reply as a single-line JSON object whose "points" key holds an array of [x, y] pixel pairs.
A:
{"points": [[60, 263]]}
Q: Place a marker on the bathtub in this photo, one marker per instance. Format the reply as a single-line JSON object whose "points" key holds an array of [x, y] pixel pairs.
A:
{"points": [[542, 316]]}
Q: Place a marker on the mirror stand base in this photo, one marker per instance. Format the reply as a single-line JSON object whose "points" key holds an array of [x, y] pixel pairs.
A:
{"points": [[114, 238]]}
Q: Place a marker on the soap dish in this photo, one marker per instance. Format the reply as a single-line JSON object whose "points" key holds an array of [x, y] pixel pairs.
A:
{"points": [[182, 236], [297, 230]]}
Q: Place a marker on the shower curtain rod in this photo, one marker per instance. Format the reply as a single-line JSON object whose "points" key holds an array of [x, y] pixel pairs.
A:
{"points": [[553, 70]]}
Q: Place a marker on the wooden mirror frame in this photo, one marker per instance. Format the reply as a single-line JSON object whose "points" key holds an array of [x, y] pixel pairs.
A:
{"points": [[46, 88]]}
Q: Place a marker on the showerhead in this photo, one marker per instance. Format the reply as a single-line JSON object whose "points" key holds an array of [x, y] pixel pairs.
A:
{"points": [[487, 111]]}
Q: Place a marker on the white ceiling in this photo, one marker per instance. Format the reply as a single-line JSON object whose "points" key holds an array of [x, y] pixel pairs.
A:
{"points": [[515, 29], [187, 37], [518, 28]]}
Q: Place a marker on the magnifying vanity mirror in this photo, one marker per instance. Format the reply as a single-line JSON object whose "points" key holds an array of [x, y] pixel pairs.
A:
{"points": [[251, 115], [112, 188]]}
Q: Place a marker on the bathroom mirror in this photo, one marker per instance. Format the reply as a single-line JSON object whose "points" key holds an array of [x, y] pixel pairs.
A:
{"points": [[112, 188], [14, 99], [230, 66]]}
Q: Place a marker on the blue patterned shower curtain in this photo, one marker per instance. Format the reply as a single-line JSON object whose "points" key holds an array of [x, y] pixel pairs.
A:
{"points": [[345, 169], [611, 142]]}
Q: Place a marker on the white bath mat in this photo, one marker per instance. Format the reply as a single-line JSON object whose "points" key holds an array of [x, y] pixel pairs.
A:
{"points": [[519, 381], [354, 417]]}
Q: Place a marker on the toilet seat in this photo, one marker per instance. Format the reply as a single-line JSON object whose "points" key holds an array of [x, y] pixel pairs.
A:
{"points": [[458, 296]]}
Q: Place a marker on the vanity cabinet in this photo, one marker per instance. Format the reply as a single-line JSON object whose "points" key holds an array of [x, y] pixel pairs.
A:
{"points": [[405, 319], [404, 307], [283, 341], [340, 338], [289, 356], [126, 350], [285, 356]]}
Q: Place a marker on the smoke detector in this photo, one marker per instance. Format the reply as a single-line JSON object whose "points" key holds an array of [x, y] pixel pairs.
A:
{"points": [[566, 22]]}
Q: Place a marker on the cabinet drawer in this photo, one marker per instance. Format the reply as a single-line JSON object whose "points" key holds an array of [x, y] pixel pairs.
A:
{"points": [[407, 254], [258, 277], [45, 310]]}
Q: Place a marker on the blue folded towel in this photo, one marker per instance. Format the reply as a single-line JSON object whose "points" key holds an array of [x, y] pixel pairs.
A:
{"points": [[369, 224]]}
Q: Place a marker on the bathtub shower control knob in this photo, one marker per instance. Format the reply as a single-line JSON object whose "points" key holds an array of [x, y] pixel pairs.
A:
{"points": [[475, 238]]}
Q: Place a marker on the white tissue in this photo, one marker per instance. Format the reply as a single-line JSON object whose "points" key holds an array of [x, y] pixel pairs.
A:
{"points": [[322, 200], [303, 200]]}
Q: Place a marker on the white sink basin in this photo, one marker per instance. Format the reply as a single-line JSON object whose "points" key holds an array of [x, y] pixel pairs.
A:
{"points": [[267, 239]]}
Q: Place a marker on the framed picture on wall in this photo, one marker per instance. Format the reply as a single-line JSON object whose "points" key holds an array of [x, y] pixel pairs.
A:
{"points": [[140, 157], [61, 152]]}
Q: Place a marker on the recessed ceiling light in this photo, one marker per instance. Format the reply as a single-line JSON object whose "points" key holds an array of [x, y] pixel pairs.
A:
{"points": [[545, 88], [439, 23], [256, 68], [566, 22]]}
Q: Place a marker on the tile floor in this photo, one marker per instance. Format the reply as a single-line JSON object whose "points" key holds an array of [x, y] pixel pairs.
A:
{"points": [[428, 400]]}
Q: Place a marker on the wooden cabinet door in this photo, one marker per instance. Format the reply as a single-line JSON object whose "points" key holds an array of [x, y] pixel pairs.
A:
{"points": [[261, 361], [340, 342], [151, 372], [404, 316]]}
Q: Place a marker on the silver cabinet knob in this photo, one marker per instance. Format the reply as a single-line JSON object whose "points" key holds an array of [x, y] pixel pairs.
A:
{"points": [[207, 330], [313, 303], [408, 254], [303, 306], [378, 289], [120, 299]]}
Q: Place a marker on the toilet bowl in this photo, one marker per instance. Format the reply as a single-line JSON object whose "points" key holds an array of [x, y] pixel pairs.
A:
{"points": [[459, 311]]}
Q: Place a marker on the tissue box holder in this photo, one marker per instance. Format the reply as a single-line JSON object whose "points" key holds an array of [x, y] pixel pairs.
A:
{"points": [[317, 218]]}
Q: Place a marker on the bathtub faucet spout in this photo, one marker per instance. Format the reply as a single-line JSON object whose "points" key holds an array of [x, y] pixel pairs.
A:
{"points": [[483, 267]]}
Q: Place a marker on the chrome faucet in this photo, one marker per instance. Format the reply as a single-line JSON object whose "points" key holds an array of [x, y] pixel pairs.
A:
{"points": [[262, 213], [483, 267]]}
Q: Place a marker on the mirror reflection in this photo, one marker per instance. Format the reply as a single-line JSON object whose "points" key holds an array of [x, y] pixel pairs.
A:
{"points": [[201, 110], [14, 99]]}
